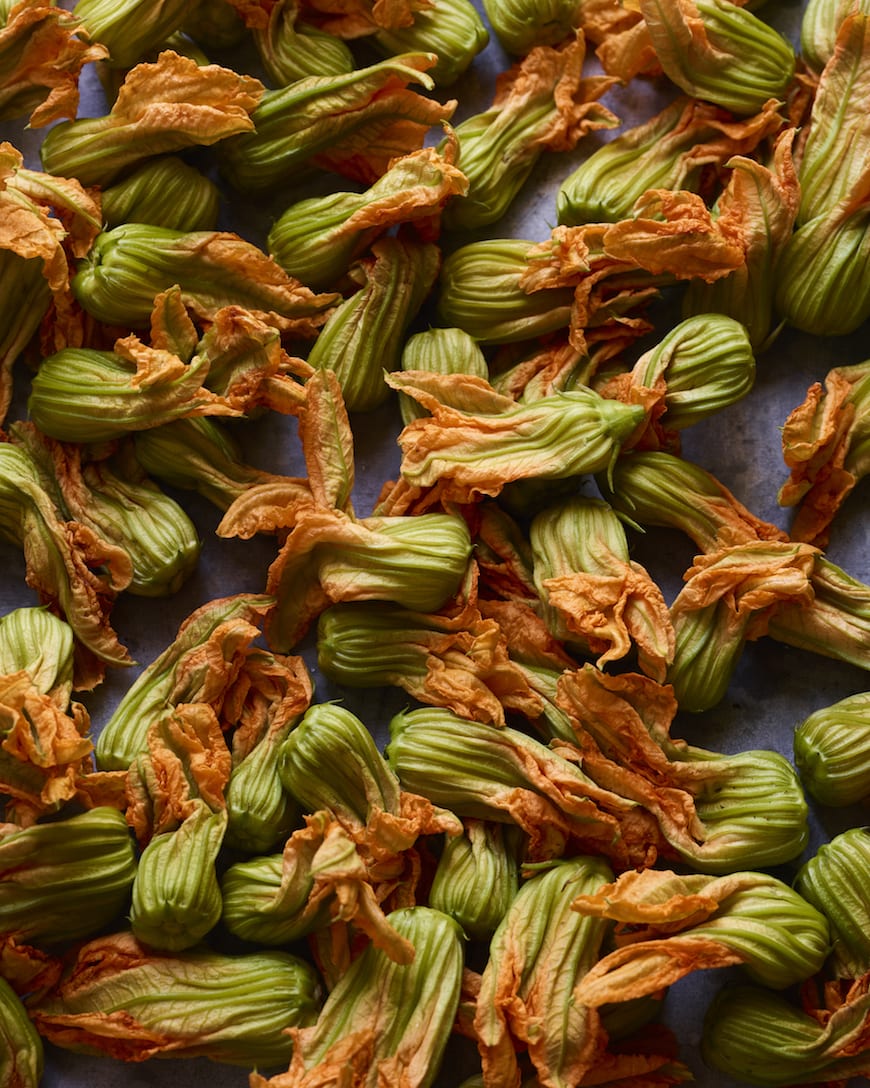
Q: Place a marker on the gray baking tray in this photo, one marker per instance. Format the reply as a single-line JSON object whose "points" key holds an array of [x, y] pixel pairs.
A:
{"points": [[775, 687]]}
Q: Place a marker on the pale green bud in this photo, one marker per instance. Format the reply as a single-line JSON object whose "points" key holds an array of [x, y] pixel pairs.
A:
{"points": [[520, 25], [832, 751], [440, 351], [41, 643], [451, 29], [130, 28], [167, 193], [22, 1056]]}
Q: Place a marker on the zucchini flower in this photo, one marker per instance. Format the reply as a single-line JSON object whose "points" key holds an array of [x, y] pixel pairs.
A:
{"points": [[417, 562], [270, 900], [674, 925], [178, 810], [73, 571], [823, 283], [278, 692], [317, 240], [82, 395], [353, 124], [820, 25], [41, 57], [27, 296], [832, 751], [215, 26], [727, 600], [680, 148], [128, 267], [761, 1038], [290, 49], [826, 444], [718, 51], [507, 776], [115, 500], [593, 596], [450, 29], [654, 487], [713, 810], [66, 879], [131, 29], [702, 365], [458, 660], [440, 351], [198, 666], [162, 107], [477, 877], [124, 1001], [539, 953], [541, 104], [22, 1057], [384, 1020], [41, 644], [520, 25], [476, 440], [764, 203], [835, 623], [482, 293], [166, 192], [835, 881], [364, 335]]}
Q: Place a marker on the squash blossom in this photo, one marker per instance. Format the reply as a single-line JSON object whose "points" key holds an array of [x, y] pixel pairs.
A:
{"points": [[177, 808], [674, 925], [476, 440], [682, 147], [539, 953], [543, 103], [363, 336], [762, 1038], [164, 192], [505, 775], [197, 666], [477, 876], [720, 52], [832, 751], [714, 811], [353, 124], [22, 1056], [592, 595], [450, 29], [481, 291], [385, 1021], [417, 562], [65, 880], [520, 25], [834, 880], [74, 571], [127, 1002], [162, 107], [115, 499], [129, 266], [317, 239]]}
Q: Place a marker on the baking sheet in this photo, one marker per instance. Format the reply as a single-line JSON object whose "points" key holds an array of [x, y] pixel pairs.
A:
{"points": [[775, 687]]}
